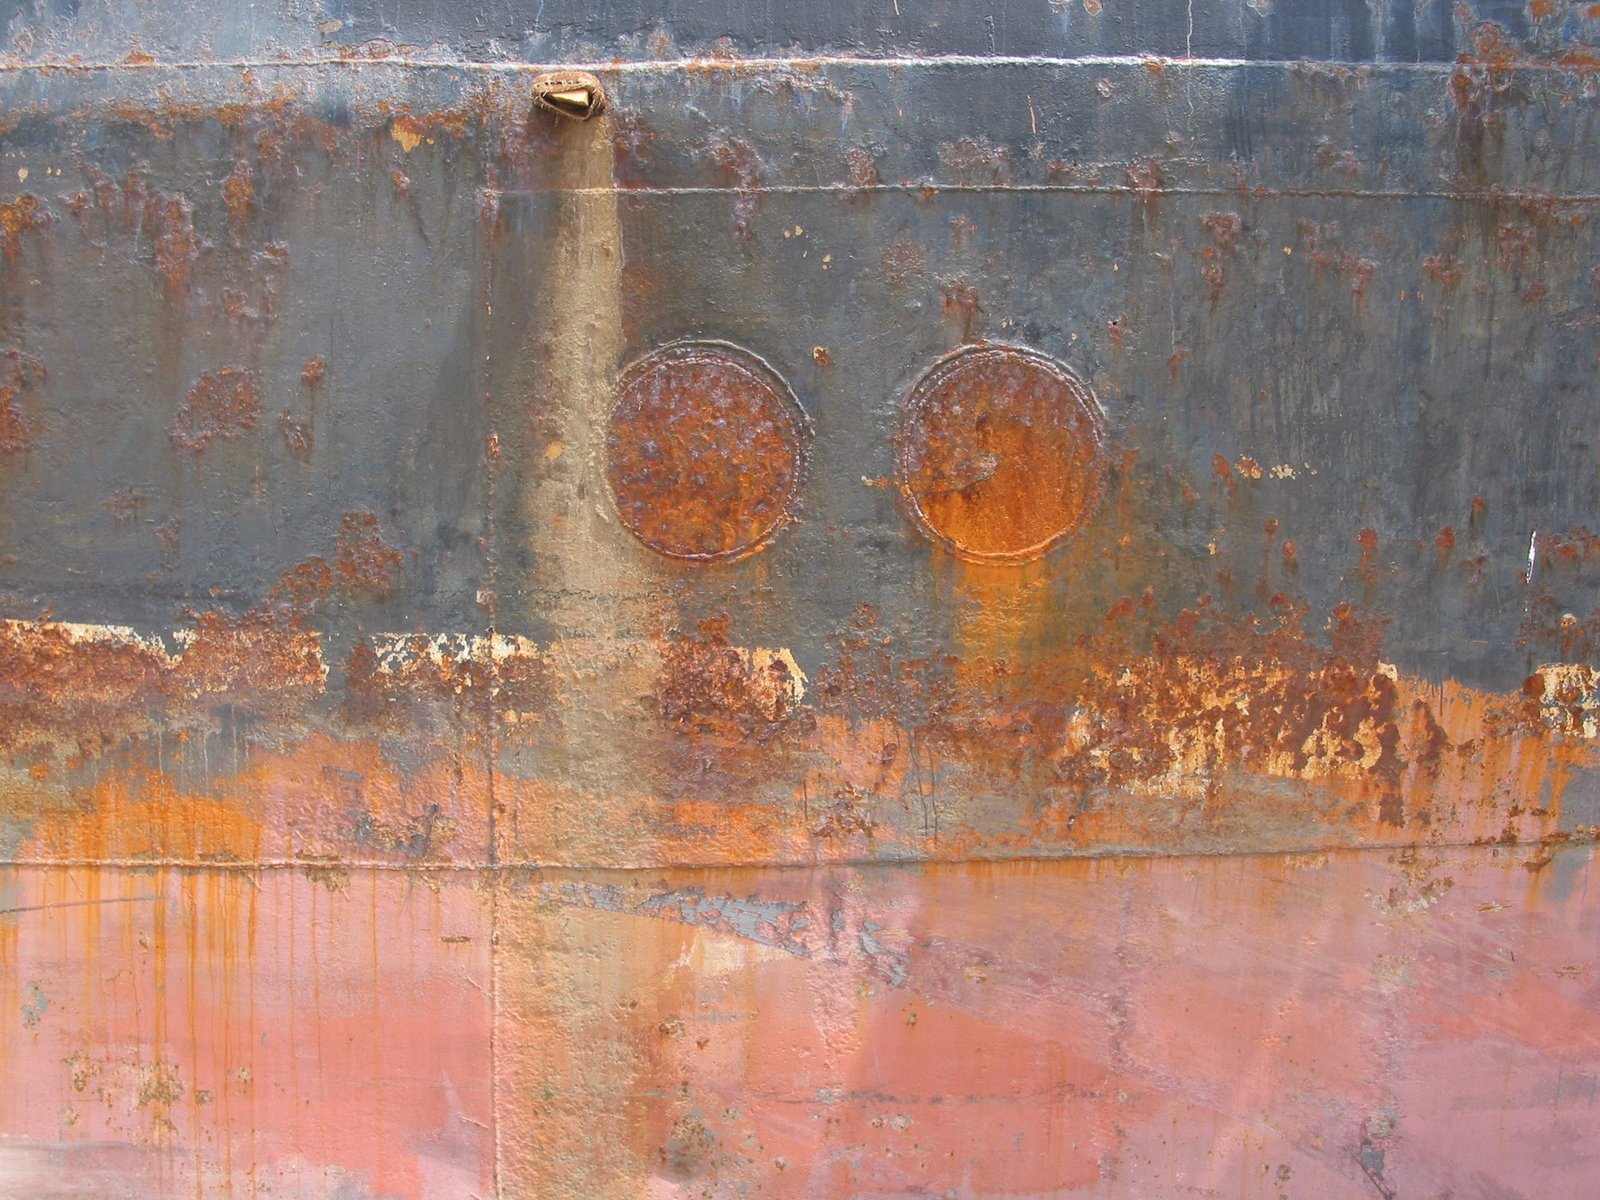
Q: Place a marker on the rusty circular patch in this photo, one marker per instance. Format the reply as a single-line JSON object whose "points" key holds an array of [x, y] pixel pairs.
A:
{"points": [[1001, 453], [705, 453]]}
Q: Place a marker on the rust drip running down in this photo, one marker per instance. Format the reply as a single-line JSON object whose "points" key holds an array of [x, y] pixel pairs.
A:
{"points": [[1001, 453], [706, 451]]}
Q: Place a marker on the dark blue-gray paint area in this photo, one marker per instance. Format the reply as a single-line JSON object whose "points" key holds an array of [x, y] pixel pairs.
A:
{"points": [[1400, 31], [1376, 285]]}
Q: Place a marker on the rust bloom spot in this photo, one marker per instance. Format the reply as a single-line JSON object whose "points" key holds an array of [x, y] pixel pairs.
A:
{"points": [[19, 216], [1001, 453], [863, 169], [367, 564], [15, 434], [220, 404], [705, 453], [18, 372], [239, 192], [177, 246]]}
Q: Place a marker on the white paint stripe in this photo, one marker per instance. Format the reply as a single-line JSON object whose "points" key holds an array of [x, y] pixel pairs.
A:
{"points": [[741, 66]]}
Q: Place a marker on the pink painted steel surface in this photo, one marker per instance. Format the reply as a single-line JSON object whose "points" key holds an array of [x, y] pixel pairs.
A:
{"points": [[930, 600]]}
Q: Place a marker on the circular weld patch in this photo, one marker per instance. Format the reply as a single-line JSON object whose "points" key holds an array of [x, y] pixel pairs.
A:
{"points": [[706, 451], [1001, 453]]}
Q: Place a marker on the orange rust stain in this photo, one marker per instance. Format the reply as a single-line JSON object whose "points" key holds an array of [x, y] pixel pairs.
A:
{"points": [[366, 564], [862, 167], [1445, 542], [22, 215], [1577, 545], [408, 132], [145, 816], [257, 655], [473, 111], [1145, 178], [177, 245], [299, 589], [705, 452], [1001, 453], [1368, 540], [239, 192], [1493, 48], [1148, 734], [237, 305], [1217, 729], [74, 694], [708, 692], [221, 404], [321, 799], [54, 685], [706, 682], [415, 680], [337, 799], [1223, 228], [1327, 254]]}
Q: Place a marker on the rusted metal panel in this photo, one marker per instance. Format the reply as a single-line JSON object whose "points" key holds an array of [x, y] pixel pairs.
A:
{"points": [[990, 600]]}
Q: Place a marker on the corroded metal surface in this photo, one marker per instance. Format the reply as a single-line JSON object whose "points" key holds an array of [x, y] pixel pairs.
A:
{"points": [[1001, 454], [990, 599], [705, 452]]}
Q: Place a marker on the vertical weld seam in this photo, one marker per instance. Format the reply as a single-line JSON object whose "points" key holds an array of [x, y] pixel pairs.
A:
{"points": [[491, 576], [496, 1189]]}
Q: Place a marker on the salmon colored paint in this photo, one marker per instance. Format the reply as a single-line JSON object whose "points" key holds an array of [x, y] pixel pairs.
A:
{"points": [[1329, 1024], [244, 1033]]}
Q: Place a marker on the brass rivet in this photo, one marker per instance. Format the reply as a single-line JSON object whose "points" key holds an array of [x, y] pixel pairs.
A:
{"points": [[570, 93]]}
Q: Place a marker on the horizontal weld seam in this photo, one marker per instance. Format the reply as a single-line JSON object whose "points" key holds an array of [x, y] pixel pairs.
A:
{"points": [[704, 65], [525, 866], [1243, 193]]}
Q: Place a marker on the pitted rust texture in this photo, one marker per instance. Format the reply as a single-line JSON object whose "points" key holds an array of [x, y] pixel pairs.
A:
{"points": [[220, 405], [1001, 453], [705, 452], [1230, 445], [576, 793], [19, 372]]}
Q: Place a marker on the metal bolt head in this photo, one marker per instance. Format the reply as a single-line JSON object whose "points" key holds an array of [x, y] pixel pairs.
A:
{"points": [[575, 94]]}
